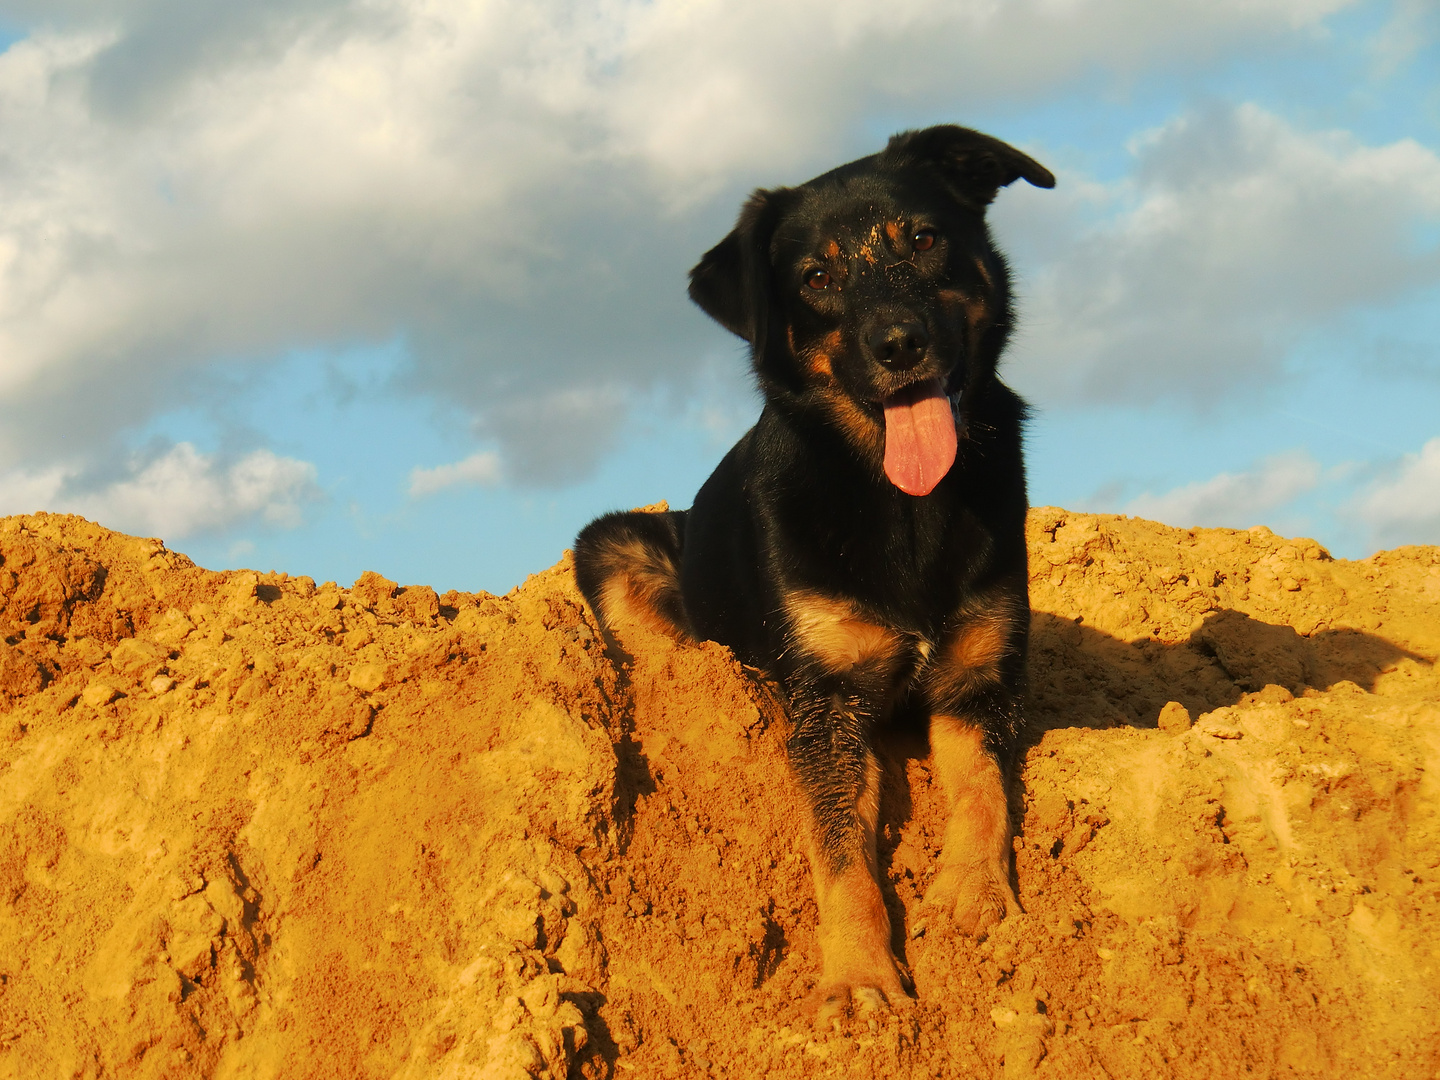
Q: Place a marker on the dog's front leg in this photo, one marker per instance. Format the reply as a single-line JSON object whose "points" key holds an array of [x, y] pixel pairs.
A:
{"points": [[840, 779], [972, 883], [973, 686]]}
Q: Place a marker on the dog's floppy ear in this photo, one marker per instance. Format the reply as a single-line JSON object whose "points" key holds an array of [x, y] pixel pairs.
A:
{"points": [[731, 282], [974, 165]]}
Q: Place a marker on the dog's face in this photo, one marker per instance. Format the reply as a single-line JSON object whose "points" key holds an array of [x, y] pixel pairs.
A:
{"points": [[872, 295]]}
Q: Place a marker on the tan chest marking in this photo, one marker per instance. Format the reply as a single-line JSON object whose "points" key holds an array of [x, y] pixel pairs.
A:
{"points": [[970, 657], [981, 643], [833, 632]]}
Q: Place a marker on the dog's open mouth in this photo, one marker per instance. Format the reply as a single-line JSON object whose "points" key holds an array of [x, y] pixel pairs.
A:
{"points": [[919, 437]]}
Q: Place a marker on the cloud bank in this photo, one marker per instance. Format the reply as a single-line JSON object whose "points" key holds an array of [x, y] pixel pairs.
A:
{"points": [[482, 468], [1404, 508], [177, 493], [517, 188], [1235, 236], [1233, 500]]}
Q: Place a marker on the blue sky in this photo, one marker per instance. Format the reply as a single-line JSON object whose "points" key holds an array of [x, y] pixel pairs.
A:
{"points": [[324, 286]]}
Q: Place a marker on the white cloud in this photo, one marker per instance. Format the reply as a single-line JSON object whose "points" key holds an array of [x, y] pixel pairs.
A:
{"points": [[482, 468], [516, 188], [175, 494], [1411, 24], [1235, 235], [1405, 507], [1233, 500], [23, 491]]}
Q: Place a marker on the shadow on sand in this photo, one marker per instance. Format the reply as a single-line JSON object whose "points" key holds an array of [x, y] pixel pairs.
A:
{"points": [[1082, 677]]}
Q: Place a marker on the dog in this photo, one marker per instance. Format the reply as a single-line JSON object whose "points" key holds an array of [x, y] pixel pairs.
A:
{"points": [[863, 545]]}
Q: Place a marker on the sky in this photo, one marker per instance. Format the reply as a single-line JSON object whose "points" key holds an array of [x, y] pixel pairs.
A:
{"points": [[326, 286]]}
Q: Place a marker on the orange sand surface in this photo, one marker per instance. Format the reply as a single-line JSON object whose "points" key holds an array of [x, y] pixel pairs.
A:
{"points": [[251, 827]]}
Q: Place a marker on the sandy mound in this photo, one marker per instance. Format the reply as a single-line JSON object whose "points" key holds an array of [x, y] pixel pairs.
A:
{"points": [[254, 828]]}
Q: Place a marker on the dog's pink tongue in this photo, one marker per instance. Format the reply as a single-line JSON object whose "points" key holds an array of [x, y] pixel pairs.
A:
{"points": [[919, 437]]}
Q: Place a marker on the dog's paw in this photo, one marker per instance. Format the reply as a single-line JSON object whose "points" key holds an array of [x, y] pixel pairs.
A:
{"points": [[858, 984], [831, 1004], [972, 899]]}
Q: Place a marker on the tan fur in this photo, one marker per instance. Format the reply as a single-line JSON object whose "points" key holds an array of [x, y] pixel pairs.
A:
{"points": [[970, 656], [637, 579], [973, 881], [865, 433], [982, 642], [985, 274], [854, 925], [819, 359], [833, 632], [975, 309]]}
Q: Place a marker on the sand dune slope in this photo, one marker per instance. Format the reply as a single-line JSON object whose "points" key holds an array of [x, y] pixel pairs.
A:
{"points": [[252, 827]]}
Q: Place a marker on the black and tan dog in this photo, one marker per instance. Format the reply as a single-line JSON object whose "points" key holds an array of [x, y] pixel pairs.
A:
{"points": [[864, 543]]}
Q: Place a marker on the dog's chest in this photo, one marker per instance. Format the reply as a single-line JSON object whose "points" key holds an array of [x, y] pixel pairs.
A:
{"points": [[908, 565]]}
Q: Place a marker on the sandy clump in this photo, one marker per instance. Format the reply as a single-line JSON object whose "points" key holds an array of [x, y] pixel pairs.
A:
{"points": [[254, 828]]}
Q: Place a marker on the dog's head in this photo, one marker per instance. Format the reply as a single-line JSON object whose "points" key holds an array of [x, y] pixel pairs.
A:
{"points": [[872, 296]]}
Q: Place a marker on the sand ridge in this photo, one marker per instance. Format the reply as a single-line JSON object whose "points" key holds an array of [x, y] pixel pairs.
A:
{"points": [[252, 827]]}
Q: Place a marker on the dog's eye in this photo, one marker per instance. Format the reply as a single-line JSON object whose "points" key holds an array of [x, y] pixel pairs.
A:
{"points": [[817, 279], [923, 240]]}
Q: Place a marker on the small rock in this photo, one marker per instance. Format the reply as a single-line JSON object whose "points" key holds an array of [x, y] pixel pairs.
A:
{"points": [[1175, 718], [1002, 1017], [172, 627], [132, 656], [18, 673], [98, 694], [358, 638], [367, 677], [1219, 731], [553, 883], [1274, 694], [541, 996], [242, 590]]}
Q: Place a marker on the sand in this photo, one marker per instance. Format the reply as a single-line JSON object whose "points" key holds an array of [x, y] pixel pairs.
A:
{"points": [[251, 827]]}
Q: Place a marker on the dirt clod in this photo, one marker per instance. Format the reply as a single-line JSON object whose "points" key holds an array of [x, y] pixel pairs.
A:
{"points": [[254, 828]]}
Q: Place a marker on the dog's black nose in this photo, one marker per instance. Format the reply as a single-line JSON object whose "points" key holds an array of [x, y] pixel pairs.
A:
{"points": [[900, 346]]}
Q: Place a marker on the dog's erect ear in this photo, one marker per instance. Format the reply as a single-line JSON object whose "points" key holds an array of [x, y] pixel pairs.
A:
{"points": [[731, 282], [975, 165]]}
